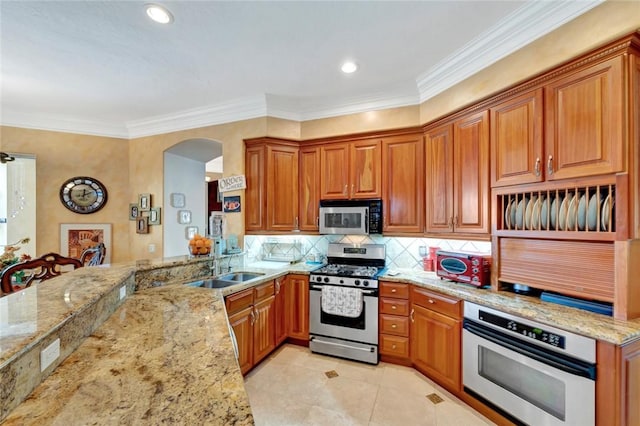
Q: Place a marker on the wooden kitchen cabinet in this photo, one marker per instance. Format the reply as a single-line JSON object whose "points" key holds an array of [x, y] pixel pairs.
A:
{"points": [[280, 311], [403, 188], [516, 140], [309, 185], [297, 306], [271, 197], [436, 337], [251, 314], [394, 322], [351, 170], [457, 178]]}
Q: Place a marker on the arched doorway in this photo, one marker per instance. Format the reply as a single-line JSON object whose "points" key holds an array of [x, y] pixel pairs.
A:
{"points": [[185, 170]]}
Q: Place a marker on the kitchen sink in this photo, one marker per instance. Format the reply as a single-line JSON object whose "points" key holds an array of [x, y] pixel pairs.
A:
{"points": [[240, 276], [212, 283]]}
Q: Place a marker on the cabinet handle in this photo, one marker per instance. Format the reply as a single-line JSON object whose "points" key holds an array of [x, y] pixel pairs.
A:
{"points": [[455, 221], [550, 165], [253, 317], [277, 286], [393, 290], [393, 346], [411, 315], [352, 189], [296, 223], [451, 223], [394, 307], [537, 166], [431, 301], [257, 313], [318, 221], [345, 188], [394, 326]]}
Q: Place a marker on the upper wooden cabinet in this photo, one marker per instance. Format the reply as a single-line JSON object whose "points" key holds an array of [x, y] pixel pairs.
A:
{"points": [[309, 195], [584, 122], [271, 200], [457, 178], [516, 140], [351, 170], [403, 189]]}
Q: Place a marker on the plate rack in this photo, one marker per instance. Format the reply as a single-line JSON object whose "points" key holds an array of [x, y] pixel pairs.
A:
{"points": [[578, 210]]}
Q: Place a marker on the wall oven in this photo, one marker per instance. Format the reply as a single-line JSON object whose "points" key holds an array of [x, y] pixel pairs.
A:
{"points": [[341, 329], [351, 217], [534, 374]]}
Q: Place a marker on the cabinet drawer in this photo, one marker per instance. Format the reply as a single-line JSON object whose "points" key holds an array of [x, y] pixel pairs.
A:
{"points": [[393, 324], [394, 346], [264, 290], [437, 302], [394, 306], [238, 301], [397, 290]]}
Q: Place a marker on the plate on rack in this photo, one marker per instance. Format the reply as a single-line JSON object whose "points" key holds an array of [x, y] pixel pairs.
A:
{"points": [[562, 212], [553, 214], [522, 205], [606, 212], [507, 216], [592, 215], [572, 213], [529, 211], [535, 214], [582, 212], [544, 213], [512, 219]]}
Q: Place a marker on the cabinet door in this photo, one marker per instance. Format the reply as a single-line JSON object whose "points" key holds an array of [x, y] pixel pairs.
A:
{"points": [[254, 204], [471, 174], [309, 196], [403, 189], [242, 324], [439, 179], [282, 188], [436, 345], [584, 122], [264, 329], [280, 312], [334, 180], [366, 164], [516, 140], [298, 306]]}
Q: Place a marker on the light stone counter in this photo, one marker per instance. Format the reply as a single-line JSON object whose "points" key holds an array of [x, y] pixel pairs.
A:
{"points": [[164, 357], [578, 321]]}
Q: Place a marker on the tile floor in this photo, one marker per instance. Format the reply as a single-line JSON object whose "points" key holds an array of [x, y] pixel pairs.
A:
{"points": [[290, 387]]}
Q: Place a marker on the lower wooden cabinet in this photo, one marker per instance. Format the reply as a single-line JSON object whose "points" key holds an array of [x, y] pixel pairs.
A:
{"points": [[280, 311], [436, 337], [297, 307], [242, 324], [393, 325]]}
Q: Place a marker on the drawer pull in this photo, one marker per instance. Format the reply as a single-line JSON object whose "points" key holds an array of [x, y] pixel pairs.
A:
{"points": [[393, 346], [393, 307], [411, 315], [393, 290], [394, 326], [431, 301]]}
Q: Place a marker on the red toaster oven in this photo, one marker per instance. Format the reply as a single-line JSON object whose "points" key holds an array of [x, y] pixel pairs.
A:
{"points": [[464, 267]]}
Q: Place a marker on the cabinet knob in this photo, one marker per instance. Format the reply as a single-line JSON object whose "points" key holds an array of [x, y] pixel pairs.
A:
{"points": [[394, 326], [393, 346], [394, 307], [537, 166], [431, 301], [550, 165], [393, 290]]}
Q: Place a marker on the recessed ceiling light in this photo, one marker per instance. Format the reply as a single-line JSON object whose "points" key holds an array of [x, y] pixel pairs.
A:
{"points": [[349, 67], [159, 13]]}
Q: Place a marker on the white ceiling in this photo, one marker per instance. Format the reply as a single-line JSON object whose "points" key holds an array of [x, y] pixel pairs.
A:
{"points": [[102, 67]]}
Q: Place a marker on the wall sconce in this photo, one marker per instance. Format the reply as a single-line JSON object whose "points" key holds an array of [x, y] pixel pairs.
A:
{"points": [[5, 158]]}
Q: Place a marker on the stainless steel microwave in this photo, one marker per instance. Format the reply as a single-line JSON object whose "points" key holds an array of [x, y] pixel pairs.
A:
{"points": [[351, 217]]}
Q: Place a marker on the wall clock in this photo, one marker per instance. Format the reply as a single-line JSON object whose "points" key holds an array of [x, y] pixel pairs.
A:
{"points": [[83, 194]]}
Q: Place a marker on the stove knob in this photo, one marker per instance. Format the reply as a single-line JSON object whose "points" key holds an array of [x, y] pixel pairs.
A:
{"points": [[326, 279], [357, 282], [365, 283], [319, 279], [341, 281]]}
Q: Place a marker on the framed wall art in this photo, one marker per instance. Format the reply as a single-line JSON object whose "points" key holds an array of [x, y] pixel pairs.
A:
{"points": [[232, 204], [177, 199], [77, 237], [134, 212], [190, 232], [144, 202], [142, 225], [154, 216], [184, 217]]}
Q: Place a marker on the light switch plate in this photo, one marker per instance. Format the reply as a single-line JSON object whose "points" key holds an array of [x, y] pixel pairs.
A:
{"points": [[49, 354], [123, 292]]}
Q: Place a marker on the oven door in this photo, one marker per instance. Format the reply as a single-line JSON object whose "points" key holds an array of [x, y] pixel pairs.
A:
{"points": [[537, 392], [344, 220], [363, 329]]}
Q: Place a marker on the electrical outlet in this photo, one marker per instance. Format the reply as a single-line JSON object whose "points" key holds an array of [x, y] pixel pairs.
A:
{"points": [[49, 354], [152, 248], [123, 292]]}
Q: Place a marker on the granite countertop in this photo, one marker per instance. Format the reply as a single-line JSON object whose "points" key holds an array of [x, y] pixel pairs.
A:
{"points": [[165, 356], [579, 321]]}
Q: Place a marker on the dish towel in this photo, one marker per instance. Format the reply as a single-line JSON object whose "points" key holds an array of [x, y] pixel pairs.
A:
{"points": [[342, 301]]}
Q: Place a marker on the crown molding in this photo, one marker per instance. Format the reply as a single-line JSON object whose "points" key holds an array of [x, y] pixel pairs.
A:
{"points": [[239, 109], [520, 28], [56, 123]]}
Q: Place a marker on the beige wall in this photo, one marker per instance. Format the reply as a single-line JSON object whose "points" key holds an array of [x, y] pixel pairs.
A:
{"points": [[604, 23], [60, 156]]}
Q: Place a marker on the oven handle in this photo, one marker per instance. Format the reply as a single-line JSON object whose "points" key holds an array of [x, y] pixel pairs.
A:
{"points": [[559, 361], [315, 339], [319, 287]]}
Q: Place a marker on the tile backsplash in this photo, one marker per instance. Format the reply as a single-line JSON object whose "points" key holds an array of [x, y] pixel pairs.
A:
{"points": [[402, 252]]}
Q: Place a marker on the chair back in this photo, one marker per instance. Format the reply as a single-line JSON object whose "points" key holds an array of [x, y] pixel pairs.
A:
{"points": [[94, 256], [41, 268]]}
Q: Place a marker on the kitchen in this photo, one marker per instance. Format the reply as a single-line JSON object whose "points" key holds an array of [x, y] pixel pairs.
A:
{"points": [[139, 147]]}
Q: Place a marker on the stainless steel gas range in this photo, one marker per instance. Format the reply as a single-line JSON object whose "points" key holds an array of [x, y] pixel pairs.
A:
{"points": [[343, 302]]}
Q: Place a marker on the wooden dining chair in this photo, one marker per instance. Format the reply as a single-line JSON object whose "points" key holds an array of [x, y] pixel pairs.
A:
{"points": [[39, 269], [94, 256]]}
